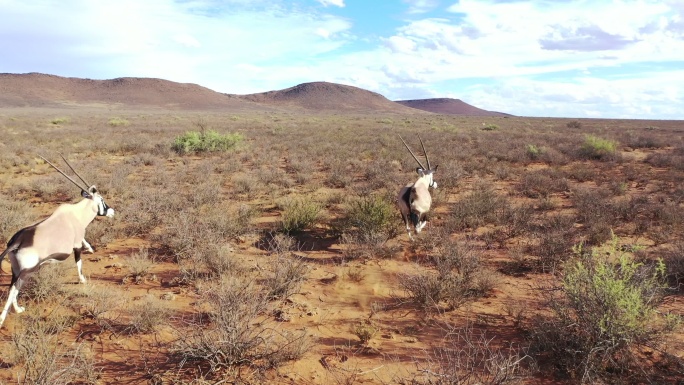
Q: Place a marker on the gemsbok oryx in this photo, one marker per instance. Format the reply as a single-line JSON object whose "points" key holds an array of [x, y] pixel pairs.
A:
{"points": [[414, 199], [52, 239]]}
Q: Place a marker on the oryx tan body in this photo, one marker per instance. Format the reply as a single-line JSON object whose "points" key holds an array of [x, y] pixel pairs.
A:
{"points": [[414, 199], [52, 239]]}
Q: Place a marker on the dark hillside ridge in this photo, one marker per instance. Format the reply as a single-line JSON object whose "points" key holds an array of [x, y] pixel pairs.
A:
{"points": [[324, 96], [41, 90], [448, 106]]}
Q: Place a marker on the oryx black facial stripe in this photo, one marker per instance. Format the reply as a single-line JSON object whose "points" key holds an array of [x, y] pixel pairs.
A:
{"points": [[102, 208]]}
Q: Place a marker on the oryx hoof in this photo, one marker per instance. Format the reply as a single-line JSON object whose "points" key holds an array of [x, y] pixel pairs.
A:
{"points": [[19, 309], [82, 280]]}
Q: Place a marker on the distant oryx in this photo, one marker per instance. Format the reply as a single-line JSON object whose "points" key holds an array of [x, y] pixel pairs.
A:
{"points": [[414, 199], [52, 239]]}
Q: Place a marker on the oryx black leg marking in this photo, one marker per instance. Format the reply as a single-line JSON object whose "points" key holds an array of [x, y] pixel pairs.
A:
{"points": [[79, 264]]}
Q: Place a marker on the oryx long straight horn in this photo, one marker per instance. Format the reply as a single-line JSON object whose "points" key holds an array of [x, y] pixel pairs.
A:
{"points": [[53, 238], [414, 199], [88, 184], [412, 154], [63, 173]]}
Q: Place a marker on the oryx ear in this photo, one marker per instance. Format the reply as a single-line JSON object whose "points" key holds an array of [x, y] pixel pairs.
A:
{"points": [[420, 171], [92, 189], [86, 194], [435, 169]]}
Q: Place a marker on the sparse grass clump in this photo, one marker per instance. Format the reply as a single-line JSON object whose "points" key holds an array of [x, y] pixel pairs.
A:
{"points": [[118, 122], [458, 277], [40, 357], [477, 208], [234, 332], [205, 141], [14, 215], [147, 316], [467, 356], [286, 277], [574, 124], [364, 330], [48, 282], [60, 120], [139, 265]]}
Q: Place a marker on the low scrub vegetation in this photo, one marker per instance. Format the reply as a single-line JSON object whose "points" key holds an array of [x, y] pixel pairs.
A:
{"points": [[205, 141], [603, 313], [234, 333], [299, 214], [595, 147], [227, 265]]}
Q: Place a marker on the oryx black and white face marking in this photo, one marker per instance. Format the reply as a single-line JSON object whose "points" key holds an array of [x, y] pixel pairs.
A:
{"points": [[103, 209], [414, 199], [429, 174]]}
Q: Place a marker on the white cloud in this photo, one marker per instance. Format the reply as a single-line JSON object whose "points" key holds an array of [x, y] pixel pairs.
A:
{"points": [[197, 42], [187, 41], [653, 96], [421, 6], [569, 58], [519, 44], [337, 3]]}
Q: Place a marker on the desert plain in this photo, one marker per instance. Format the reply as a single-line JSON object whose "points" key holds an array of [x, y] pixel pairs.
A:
{"points": [[282, 258]]}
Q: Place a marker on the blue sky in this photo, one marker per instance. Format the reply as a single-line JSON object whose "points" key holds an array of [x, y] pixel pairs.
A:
{"points": [[584, 58]]}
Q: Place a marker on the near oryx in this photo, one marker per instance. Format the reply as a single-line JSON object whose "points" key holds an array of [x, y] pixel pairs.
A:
{"points": [[414, 199], [52, 239]]}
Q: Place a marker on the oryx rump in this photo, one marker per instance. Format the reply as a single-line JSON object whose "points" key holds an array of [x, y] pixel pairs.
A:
{"points": [[52, 239]]}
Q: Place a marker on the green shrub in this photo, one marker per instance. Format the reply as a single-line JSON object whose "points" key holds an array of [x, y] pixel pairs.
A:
{"points": [[299, 214], [60, 120], [364, 330], [118, 122], [533, 152], [490, 127], [371, 219], [574, 124], [605, 310], [598, 148], [205, 141]]}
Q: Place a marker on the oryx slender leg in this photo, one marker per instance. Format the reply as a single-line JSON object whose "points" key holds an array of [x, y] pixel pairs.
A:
{"points": [[19, 282], [87, 246], [79, 264], [408, 226], [15, 285]]}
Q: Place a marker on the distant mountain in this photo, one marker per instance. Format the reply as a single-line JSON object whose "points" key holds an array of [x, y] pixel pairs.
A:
{"points": [[328, 97], [40, 90], [448, 106]]}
